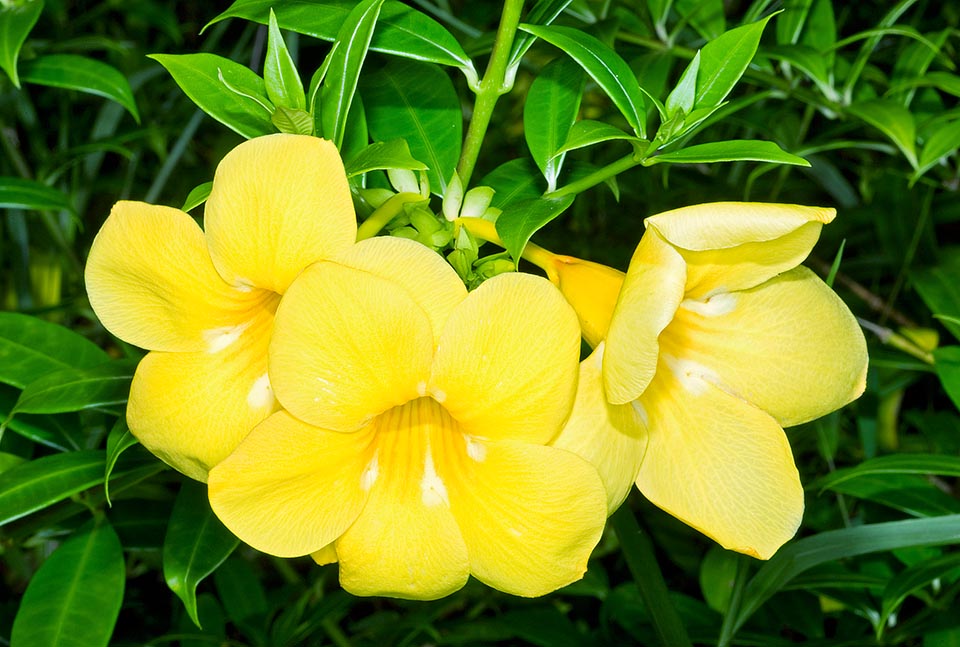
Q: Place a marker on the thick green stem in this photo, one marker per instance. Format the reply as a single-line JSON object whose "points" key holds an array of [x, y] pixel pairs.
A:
{"points": [[638, 551], [492, 87], [600, 175], [385, 213]]}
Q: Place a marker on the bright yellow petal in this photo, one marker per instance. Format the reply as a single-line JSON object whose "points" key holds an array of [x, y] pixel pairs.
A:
{"points": [[422, 273], [347, 346], [651, 293], [592, 289], [151, 282], [406, 542], [193, 409], [278, 203], [611, 437], [506, 366], [737, 245], [326, 555], [291, 489], [718, 463], [529, 514], [789, 346]]}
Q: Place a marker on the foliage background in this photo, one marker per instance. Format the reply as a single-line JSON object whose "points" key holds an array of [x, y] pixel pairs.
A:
{"points": [[866, 92]]}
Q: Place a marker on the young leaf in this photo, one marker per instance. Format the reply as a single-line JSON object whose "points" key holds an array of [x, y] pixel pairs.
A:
{"points": [[18, 193], [681, 98], [283, 84], [416, 102], [893, 120], [44, 481], [543, 12], [729, 151], [16, 21], [724, 60], [74, 389], [83, 74], [197, 196], [383, 155], [522, 219], [31, 348], [75, 596], [336, 93], [238, 101], [604, 65], [195, 545], [549, 112], [587, 132]]}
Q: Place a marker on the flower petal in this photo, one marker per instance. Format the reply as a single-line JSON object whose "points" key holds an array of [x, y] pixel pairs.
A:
{"points": [[289, 488], [406, 542], [278, 203], [433, 285], [611, 437], [506, 365], [326, 555], [789, 346], [651, 293], [151, 282], [529, 514], [347, 346], [592, 289], [193, 409], [737, 245], [718, 463]]}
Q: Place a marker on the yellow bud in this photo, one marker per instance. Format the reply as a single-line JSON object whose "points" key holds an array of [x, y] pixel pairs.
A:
{"points": [[592, 289]]}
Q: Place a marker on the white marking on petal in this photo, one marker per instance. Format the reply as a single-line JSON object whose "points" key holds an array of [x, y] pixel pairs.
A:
{"points": [[515, 532], [421, 389], [475, 449], [694, 377], [243, 285], [714, 306], [260, 395], [219, 338], [433, 491], [370, 473], [641, 412], [438, 395]]}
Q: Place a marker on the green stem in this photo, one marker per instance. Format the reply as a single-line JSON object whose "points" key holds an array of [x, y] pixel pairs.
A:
{"points": [[736, 597], [492, 87], [385, 213], [487, 231], [598, 176], [638, 551]]}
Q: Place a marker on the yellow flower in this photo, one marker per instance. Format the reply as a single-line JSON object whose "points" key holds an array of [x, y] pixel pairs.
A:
{"points": [[203, 301], [717, 341], [416, 430]]}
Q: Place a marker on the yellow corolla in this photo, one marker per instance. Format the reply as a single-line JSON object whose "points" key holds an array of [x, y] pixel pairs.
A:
{"points": [[203, 301], [717, 341], [413, 447]]}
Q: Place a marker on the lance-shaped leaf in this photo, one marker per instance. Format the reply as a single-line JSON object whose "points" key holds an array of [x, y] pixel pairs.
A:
{"points": [[942, 141], [75, 389], [16, 21], [416, 102], [394, 154], [336, 93], [893, 120], [118, 441], [737, 150], [44, 481], [55, 432], [75, 596], [227, 91], [31, 348], [914, 578], [587, 132], [604, 65], [523, 218], [195, 545], [724, 60], [940, 291], [83, 74], [513, 181], [893, 464], [283, 84], [947, 366], [197, 196], [549, 112], [543, 12], [18, 193]]}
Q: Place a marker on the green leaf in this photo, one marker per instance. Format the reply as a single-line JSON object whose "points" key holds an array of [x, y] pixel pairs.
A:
{"points": [[16, 21], [549, 112], [340, 83], [119, 440], [283, 84], [587, 132], [706, 16], [681, 98], [893, 120], [197, 196], [894, 464], [238, 101], [83, 74], [724, 60], [75, 389], [401, 30], [44, 481], [31, 348], [909, 493], [939, 289], [941, 142], [240, 589], [291, 120], [790, 23], [18, 193], [718, 570], [809, 61], [914, 578], [195, 545], [729, 151], [394, 154], [515, 180], [604, 65], [521, 219], [74, 598], [947, 365], [798, 556], [543, 12], [416, 102]]}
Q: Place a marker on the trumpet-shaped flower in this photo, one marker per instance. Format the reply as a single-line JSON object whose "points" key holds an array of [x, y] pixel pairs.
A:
{"points": [[203, 301], [413, 447], [717, 341]]}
